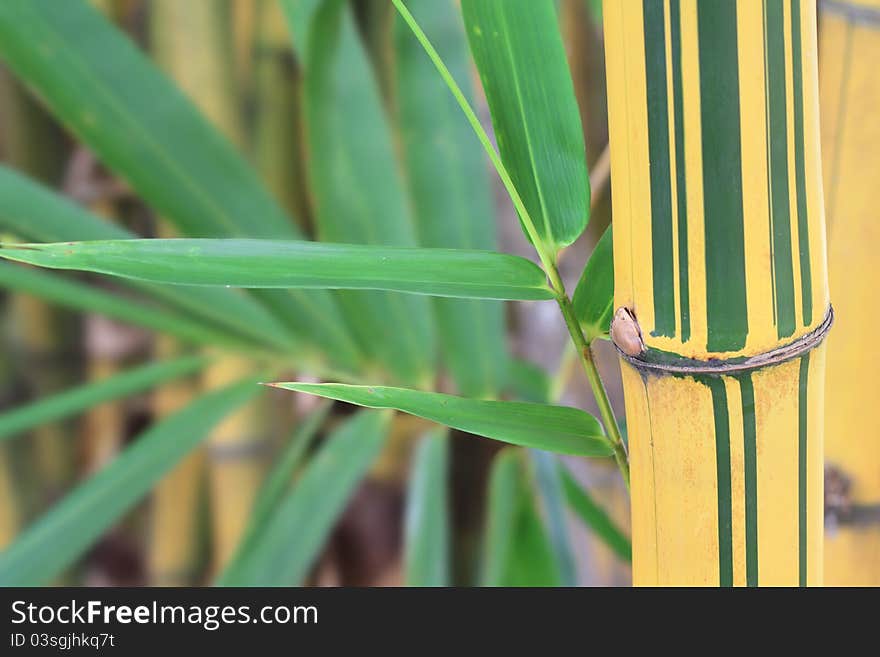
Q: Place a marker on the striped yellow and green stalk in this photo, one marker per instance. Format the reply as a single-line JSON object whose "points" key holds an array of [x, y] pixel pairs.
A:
{"points": [[850, 94], [719, 252]]}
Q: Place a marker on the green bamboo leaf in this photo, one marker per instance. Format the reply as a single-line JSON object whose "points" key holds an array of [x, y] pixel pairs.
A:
{"points": [[594, 296], [278, 481], [34, 212], [449, 185], [78, 296], [554, 428], [358, 192], [595, 517], [96, 81], [528, 382], [517, 551], [59, 537], [272, 264], [551, 494], [426, 526], [80, 398], [521, 59], [298, 15], [282, 554]]}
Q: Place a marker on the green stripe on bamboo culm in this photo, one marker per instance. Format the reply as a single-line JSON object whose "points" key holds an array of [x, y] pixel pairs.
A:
{"points": [[722, 465], [777, 145], [803, 381], [727, 315], [658, 152], [750, 472], [684, 298], [800, 166]]}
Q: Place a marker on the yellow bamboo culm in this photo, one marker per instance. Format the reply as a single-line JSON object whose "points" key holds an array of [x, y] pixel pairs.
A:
{"points": [[192, 42], [174, 539], [33, 143], [850, 94], [719, 256]]}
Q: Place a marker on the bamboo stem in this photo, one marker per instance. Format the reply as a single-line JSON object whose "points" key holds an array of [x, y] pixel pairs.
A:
{"points": [[719, 263], [849, 42]]}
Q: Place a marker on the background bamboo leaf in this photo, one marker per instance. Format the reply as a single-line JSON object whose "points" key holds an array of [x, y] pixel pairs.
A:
{"points": [[358, 193], [59, 537], [56, 407], [79, 296], [595, 517], [36, 213], [449, 185], [95, 81], [283, 553], [520, 56], [426, 525], [554, 428], [528, 382], [267, 263], [594, 296], [551, 494], [517, 551]]}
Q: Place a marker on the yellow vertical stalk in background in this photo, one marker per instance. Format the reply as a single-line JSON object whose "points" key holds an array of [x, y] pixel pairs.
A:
{"points": [[719, 253], [850, 95], [191, 40], [106, 344], [32, 143]]}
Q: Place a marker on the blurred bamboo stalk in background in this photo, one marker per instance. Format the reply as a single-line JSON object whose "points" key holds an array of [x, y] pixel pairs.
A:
{"points": [[849, 47], [719, 252], [10, 514], [191, 41], [107, 343], [34, 144]]}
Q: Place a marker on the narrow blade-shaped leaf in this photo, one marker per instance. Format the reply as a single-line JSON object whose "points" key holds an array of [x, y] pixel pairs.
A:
{"points": [[521, 59], [516, 551], [80, 398], [283, 553], [57, 539], [595, 517], [290, 264], [358, 192], [450, 189], [36, 213], [78, 296], [426, 526], [594, 296], [554, 428]]}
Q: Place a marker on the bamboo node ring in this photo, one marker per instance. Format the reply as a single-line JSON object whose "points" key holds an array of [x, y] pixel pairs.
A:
{"points": [[647, 359]]}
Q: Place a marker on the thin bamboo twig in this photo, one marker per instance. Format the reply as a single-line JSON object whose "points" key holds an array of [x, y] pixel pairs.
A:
{"points": [[548, 260]]}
